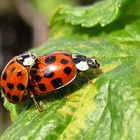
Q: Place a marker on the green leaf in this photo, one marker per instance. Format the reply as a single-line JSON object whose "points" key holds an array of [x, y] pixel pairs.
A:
{"points": [[108, 109], [47, 7], [102, 13], [124, 29]]}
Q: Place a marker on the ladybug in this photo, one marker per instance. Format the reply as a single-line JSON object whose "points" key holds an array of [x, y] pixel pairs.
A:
{"points": [[15, 77], [28, 75], [58, 69]]}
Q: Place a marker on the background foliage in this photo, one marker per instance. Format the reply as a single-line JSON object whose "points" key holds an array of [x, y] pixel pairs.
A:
{"points": [[108, 109]]}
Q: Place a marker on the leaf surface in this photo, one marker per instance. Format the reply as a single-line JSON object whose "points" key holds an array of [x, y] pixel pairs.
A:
{"points": [[102, 13], [108, 109]]}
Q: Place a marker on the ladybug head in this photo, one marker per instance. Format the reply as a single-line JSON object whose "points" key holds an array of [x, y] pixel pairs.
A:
{"points": [[92, 63], [27, 59], [83, 63]]}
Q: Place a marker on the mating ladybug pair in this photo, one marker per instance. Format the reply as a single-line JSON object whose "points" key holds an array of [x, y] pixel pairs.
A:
{"points": [[28, 75]]}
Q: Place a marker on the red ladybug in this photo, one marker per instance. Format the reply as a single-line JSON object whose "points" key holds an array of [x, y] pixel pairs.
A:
{"points": [[15, 76], [30, 76], [58, 69]]}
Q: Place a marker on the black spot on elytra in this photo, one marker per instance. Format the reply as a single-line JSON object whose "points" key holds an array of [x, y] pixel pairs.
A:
{"points": [[50, 60], [67, 70], [10, 86], [57, 82], [37, 78], [64, 61], [3, 90], [15, 98], [42, 87], [19, 73], [13, 69], [8, 95], [48, 74], [20, 87], [4, 77]]}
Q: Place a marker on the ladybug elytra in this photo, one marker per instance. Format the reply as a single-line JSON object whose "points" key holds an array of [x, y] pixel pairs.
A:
{"points": [[14, 78], [57, 70]]}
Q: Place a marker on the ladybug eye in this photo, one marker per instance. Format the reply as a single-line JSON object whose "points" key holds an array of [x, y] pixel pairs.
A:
{"points": [[97, 64], [90, 63]]}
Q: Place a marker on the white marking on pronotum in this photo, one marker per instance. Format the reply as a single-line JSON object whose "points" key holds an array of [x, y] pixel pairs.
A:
{"points": [[82, 66], [28, 61]]}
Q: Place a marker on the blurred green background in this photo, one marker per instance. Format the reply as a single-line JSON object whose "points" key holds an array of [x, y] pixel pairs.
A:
{"points": [[24, 25]]}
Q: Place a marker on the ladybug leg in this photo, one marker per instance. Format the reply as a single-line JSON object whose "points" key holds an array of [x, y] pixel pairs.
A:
{"points": [[67, 94], [35, 102], [82, 75], [95, 73], [32, 95]]}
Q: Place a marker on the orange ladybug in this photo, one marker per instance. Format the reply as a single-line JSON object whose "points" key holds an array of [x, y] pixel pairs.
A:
{"points": [[28, 75], [58, 69], [15, 78]]}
